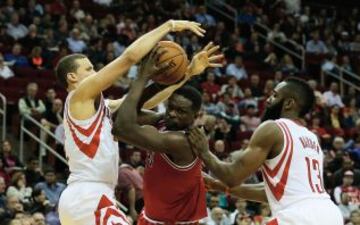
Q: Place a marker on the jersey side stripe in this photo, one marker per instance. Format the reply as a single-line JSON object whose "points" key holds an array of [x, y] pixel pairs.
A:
{"points": [[273, 172], [279, 189]]}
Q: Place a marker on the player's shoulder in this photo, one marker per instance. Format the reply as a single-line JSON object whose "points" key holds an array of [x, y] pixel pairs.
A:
{"points": [[268, 130]]}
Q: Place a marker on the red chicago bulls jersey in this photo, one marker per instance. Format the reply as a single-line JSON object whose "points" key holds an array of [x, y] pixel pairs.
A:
{"points": [[173, 193]]}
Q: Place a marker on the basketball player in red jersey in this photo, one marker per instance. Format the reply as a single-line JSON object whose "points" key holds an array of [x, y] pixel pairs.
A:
{"points": [[90, 148], [290, 159], [174, 191]]}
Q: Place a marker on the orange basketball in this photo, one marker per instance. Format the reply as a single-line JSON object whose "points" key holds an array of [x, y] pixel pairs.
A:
{"points": [[178, 62]]}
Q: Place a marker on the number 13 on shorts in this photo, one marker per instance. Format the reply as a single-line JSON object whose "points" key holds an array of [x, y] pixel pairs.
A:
{"points": [[314, 175]]}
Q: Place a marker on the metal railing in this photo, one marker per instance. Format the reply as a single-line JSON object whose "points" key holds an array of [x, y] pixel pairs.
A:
{"points": [[214, 5], [300, 56], [3, 111], [40, 140], [343, 73]]}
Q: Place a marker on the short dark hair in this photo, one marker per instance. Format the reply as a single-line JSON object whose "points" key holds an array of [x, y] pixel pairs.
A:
{"points": [[66, 65], [303, 93], [36, 192], [49, 170], [192, 94]]}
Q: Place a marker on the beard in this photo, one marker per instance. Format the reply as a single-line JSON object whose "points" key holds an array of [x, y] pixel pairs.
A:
{"points": [[273, 112]]}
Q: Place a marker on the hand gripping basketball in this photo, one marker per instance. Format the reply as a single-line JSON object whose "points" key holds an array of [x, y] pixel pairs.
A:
{"points": [[181, 25]]}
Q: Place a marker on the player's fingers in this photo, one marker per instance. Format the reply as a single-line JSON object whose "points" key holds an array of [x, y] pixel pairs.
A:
{"points": [[216, 65], [216, 57], [163, 67], [208, 46], [197, 32], [160, 52], [213, 49]]}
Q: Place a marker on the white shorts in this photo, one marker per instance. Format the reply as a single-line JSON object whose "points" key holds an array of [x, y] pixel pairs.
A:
{"points": [[309, 212], [89, 203]]}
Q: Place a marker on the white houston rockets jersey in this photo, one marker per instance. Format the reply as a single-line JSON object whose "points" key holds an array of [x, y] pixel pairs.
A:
{"points": [[296, 173], [92, 153]]}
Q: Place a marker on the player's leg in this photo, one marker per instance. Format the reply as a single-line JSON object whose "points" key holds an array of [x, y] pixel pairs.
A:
{"points": [[108, 214]]}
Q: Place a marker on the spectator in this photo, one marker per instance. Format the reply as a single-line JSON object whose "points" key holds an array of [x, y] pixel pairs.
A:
{"points": [[15, 29], [204, 18], [30, 105], [36, 59], [3, 172], [332, 97], [346, 164], [76, 12], [268, 88], [354, 217], [265, 214], [51, 187], [219, 149], [210, 86], [49, 99], [335, 121], [9, 160], [218, 217], [135, 159], [193, 47], [15, 58], [241, 209], [13, 206], [5, 71], [250, 121], [236, 90], [227, 109], [315, 45], [237, 69], [40, 203], [75, 44], [19, 189], [276, 35], [53, 118], [248, 99], [288, 66], [38, 219], [2, 193], [349, 188], [32, 39], [345, 207], [207, 105], [33, 172], [130, 188], [256, 90]]}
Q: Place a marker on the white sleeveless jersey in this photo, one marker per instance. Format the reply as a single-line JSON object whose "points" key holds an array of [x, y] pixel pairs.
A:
{"points": [[92, 153], [296, 173]]}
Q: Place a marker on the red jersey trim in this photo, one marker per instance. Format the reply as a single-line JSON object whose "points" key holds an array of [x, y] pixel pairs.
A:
{"points": [[273, 172], [272, 222], [89, 149], [178, 167], [279, 189]]}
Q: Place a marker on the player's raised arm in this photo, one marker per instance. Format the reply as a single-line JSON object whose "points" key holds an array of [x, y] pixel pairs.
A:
{"points": [[265, 139], [97, 82]]}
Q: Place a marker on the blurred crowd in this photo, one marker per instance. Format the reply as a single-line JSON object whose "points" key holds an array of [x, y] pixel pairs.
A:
{"points": [[35, 34]]}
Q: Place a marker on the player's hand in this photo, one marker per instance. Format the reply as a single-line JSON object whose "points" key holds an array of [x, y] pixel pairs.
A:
{"points": [[149, 66], [213, 185], [181, 25], [198, 141], [207, 57]]}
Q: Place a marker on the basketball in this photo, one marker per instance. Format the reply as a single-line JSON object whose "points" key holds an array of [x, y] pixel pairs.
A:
{"points": [[178, 61]]}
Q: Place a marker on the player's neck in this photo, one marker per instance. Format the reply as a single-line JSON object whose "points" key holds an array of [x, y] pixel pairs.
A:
{"points": [[291, 116]]}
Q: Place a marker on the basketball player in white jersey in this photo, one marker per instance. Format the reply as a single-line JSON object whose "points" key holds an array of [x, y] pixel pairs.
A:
{"points": [[289, 156], [90, 148]]}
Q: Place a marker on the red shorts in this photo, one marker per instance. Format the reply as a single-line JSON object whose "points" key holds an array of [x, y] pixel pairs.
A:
{"points": [[144, 220]]}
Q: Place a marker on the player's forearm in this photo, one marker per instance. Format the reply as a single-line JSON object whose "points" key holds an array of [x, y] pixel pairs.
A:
{"points": [[222, 170], [132, 198], [127, 115], [251, 192], [142, 46]]}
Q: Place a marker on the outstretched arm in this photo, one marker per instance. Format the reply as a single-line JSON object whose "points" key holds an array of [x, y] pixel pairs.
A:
{"points": [[251, 192], [94, 84], [266, 138]]}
